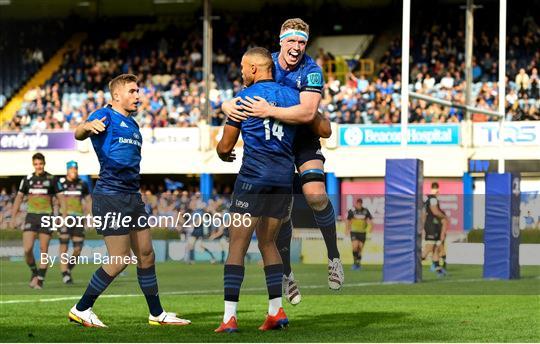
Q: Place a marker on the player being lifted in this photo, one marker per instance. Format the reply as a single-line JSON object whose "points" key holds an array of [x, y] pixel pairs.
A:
{"points": [[40, 187], [262, 190], [295, 69], [435, 226], [117, 141], [78, 203]]}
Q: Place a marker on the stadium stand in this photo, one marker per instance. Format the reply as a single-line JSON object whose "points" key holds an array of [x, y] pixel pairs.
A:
{"points": [[169, 64]]}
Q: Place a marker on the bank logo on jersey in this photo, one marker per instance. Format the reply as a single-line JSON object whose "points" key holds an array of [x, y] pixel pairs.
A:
{"points": [[314, 79]]}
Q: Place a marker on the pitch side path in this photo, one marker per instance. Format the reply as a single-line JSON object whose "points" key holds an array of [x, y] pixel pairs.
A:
{"points": [[459, 308]]}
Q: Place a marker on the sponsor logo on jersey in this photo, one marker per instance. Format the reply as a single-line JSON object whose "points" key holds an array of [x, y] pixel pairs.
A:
{"points": [[130, 141], [242, 204]]}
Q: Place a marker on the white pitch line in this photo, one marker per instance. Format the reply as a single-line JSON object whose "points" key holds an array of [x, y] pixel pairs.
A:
{"points": [[216, 291]]}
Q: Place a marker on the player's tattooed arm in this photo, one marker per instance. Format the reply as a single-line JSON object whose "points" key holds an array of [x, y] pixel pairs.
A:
{"points": [[87, 129], [321, 126], [233, 110], [302, 113], [225, 147]]}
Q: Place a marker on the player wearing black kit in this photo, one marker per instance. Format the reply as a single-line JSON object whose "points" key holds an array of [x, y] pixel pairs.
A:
{"points": [[78, 202], [40, 187]]}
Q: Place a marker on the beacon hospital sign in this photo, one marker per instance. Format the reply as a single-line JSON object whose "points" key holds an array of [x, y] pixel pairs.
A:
{"points": [[388, 135]]}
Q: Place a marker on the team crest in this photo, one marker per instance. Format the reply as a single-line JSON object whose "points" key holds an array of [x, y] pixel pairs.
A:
{"points": [[314, 79]]}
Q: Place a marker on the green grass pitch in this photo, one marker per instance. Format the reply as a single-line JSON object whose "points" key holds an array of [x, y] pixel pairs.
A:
{"points": [[459, 308]]}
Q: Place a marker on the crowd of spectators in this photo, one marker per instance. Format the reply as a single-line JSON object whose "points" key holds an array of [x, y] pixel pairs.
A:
{"points": [[159, 201], [169, 64]]}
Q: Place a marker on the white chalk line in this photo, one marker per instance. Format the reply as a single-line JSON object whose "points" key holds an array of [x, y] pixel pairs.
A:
{"points": [[217, 291]]}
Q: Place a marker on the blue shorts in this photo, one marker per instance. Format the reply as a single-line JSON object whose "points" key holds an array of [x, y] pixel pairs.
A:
{"points": [[261, 200], [307, 147], [125, 205]]}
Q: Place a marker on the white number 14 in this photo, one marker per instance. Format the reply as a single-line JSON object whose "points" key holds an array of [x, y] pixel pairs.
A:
{"points": [[277, 129]]}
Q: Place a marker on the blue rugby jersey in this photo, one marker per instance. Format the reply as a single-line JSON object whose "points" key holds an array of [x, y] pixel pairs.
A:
{"points": [[118, 149], [268, 156], [306, 77]]}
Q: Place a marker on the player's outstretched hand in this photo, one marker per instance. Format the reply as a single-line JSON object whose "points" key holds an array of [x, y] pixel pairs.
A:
{"points": [[96, 126], [230, 157], [257, 107], [233, 110]]}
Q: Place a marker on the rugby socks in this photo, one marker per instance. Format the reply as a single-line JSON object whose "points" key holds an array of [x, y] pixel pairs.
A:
{"points": [[33, 268], [98, 283], [148, 283], [443, 259], [233, 276], [41, 274], [357, 258], [283, 244], [71, 266], [436, 264], [326, 220], [274, 278]]}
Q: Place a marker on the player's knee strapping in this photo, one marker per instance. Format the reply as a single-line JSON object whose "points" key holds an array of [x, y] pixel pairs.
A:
{"points": [[233, 276], [312, 175]]}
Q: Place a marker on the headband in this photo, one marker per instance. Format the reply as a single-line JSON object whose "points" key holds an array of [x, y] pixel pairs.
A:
{"points": [[291, 32]]}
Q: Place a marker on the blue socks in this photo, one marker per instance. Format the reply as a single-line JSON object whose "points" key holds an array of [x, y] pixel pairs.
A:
{"points": [[233, 278], [148, 283], [99, 282], [326, 220]]}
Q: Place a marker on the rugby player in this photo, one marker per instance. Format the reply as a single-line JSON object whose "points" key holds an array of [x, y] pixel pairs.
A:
{"points": [[263, 188], [78, 203], [40, 187], [435, 226], [117, 141], [296, 69], [359, 222]]}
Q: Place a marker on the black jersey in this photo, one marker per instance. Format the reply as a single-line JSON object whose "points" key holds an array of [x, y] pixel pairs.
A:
{"points": [[74, 191], [40, 190]]}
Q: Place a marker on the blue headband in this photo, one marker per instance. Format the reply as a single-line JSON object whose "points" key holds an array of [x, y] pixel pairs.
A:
{"points": [[291, 32], [71, 164]]}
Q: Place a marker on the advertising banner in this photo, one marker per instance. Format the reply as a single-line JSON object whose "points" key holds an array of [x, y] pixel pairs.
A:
{"points": [[514, 133], [353, 135], [37, 140]]}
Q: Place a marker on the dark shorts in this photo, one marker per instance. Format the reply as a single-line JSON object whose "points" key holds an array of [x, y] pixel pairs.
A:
{"points": [[306, 147], [358, 236], [260, 200], [74, 231], [433, 231], [125, 205], [32, 223]]}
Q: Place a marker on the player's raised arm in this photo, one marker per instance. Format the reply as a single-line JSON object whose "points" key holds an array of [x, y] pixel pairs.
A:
{"points": [[225, 147], [93, 127]]}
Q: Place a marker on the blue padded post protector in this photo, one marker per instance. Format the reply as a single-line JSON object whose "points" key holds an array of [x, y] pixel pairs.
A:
{"points": [[501, 233], [402, 213]]}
